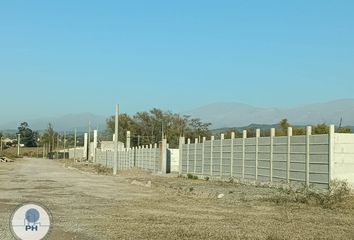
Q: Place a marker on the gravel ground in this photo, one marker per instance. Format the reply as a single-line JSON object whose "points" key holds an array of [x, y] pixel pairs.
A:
{"points": [[87, 205]]}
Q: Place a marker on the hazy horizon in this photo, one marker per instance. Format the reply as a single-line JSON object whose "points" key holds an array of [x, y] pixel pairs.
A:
{"points": [[220, 114]]}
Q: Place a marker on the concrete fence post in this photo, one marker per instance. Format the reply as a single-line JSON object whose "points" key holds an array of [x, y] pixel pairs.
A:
{"points": [[150, 157], [211, 154], [288, 166], [307, 168], [133, 157], [180, 161], [188, 146], [141, 155], [126, 159], [272, 135], [203, 154], [331, 142], [95, 133], [244, 136], [116, 136], [195, 155], [258, 134], [232, 154], [127, 141], [146, 157], [222, 136], [85, 146], [164, 156], [137, 157], [106, 157], [155, 148]]}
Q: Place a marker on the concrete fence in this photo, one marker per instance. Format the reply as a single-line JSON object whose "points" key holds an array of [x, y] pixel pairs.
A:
{"points": [[309, 159], [77, 153], [144, 157], [153, 158]]}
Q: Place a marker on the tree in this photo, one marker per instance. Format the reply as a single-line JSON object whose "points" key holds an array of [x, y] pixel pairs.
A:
{"points": [[283, 127], [344, 130], [126, 123], [49, 137], [28, 137], [299, 131], [320, 129], [238, 134], [196, 129], [151, 126]]}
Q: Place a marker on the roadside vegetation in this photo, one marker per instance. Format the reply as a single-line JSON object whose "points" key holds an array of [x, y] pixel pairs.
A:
{"points": [[338, 195]]}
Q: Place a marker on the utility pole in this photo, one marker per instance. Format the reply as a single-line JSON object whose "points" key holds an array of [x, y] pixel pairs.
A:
{"points": [[162, 133], [115, 163], [75, 145], [44, 146], [58, 147], [53, 144], [1, 144], [89, 141], [64, 145], [18, 144]]}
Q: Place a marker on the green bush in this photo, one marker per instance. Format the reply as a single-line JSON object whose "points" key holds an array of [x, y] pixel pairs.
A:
{"points": [[191, 176]]}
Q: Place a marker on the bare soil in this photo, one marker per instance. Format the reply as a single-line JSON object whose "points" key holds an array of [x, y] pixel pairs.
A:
{"points": [[87, 205]]}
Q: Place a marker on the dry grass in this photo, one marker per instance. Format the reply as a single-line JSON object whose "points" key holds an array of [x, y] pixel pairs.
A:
{"points": [[24, 151], [187, 208], [339, 192], [87, 167]]}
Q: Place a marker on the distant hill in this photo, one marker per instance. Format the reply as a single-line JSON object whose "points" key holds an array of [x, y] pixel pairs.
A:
{"points": [[64, 123], [226, 115], [262, 127]]}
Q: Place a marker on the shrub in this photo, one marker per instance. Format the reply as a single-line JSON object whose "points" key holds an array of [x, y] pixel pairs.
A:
{"points": [[338, 191], [101, 169], [191, 176]]}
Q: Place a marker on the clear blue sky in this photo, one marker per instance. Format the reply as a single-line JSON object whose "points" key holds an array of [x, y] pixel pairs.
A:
{"points": [[59, 57]]}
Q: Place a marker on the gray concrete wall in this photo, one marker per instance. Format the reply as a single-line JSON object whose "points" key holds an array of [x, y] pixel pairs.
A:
{"points": [[109, 146], [302, 159], [174, 157], [78, 153], [146, 158], [342, 164]]}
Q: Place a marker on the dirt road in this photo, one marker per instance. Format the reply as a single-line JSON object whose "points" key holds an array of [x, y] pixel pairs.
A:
{"points": [[91, 206]]}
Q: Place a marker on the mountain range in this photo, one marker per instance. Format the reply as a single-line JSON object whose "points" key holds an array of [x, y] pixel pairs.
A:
{"points": [[233, 114], [63, 123], [221, 115]]}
